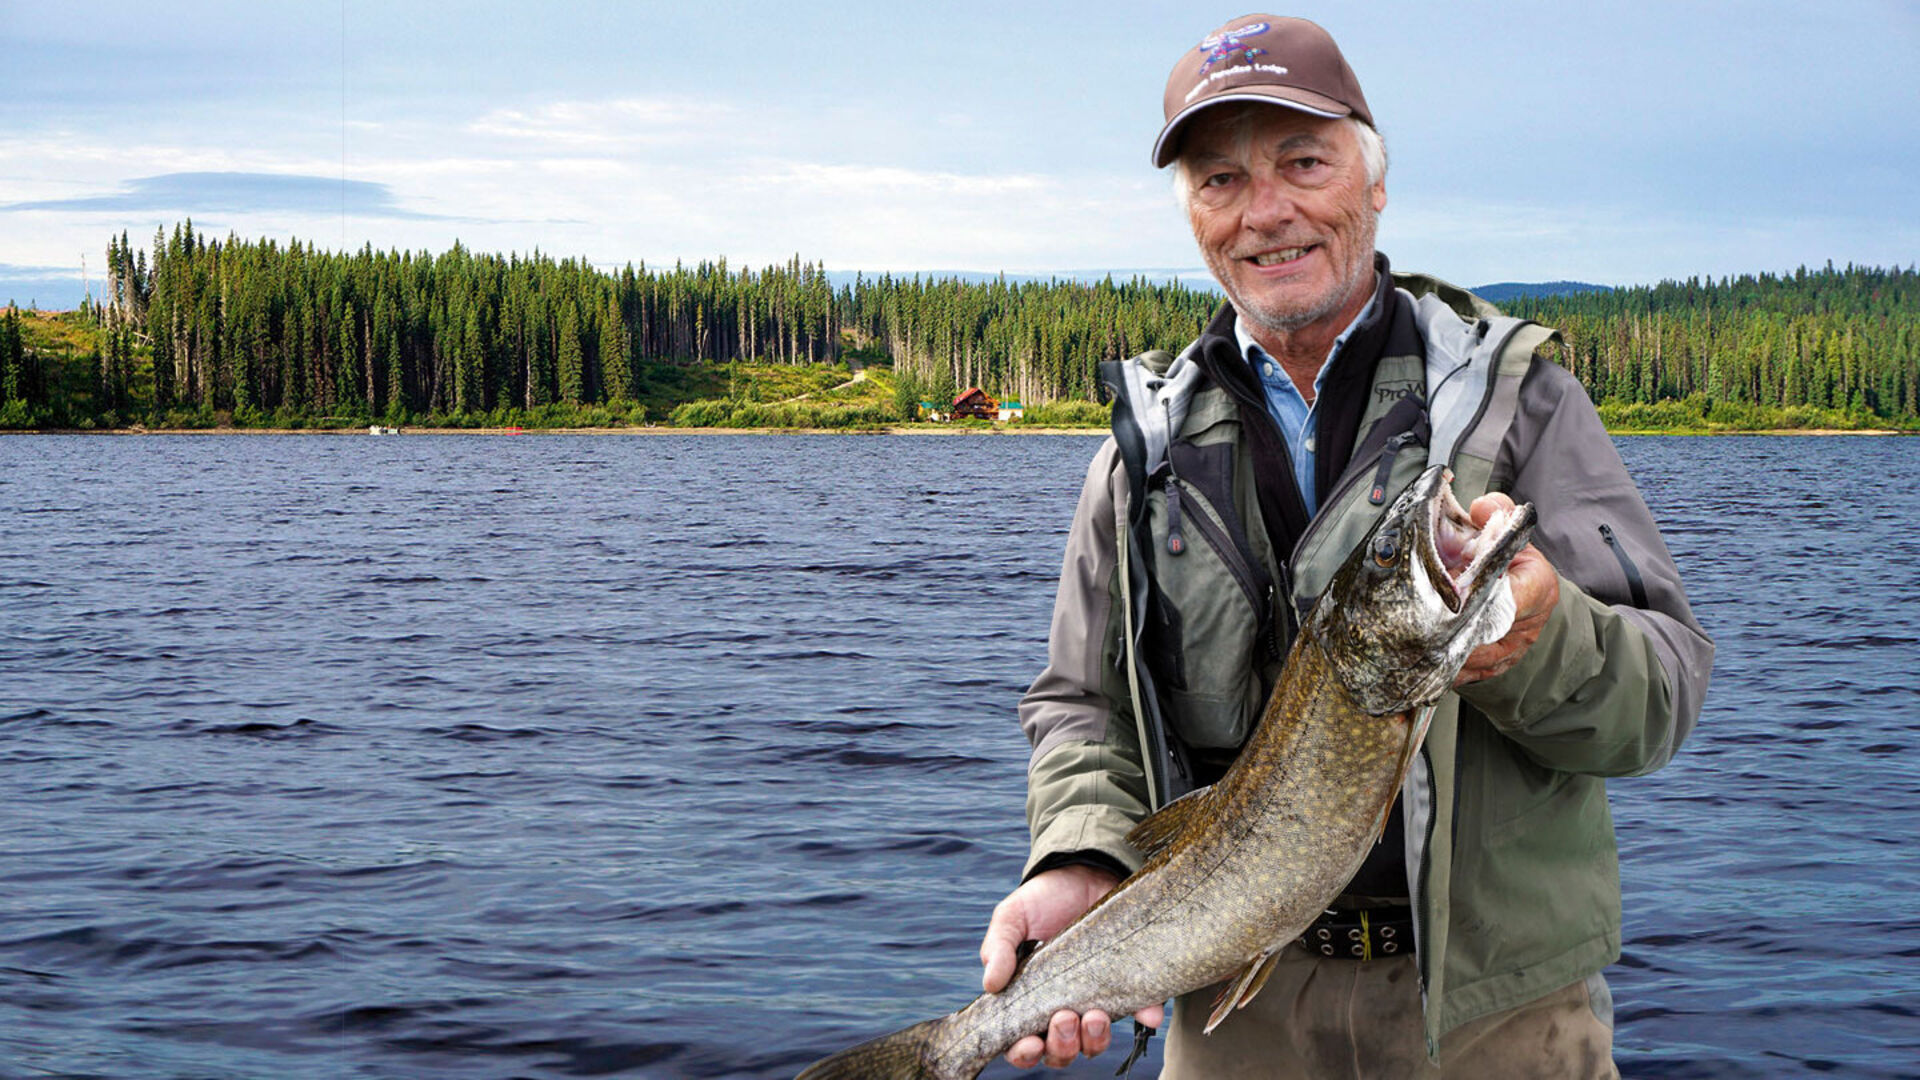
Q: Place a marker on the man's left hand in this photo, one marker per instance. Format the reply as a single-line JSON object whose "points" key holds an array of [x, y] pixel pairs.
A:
{"points": [[1536, 589]]}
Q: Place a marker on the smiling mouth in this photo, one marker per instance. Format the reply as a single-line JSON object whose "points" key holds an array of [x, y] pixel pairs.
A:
{"points": [[1284, 255]]}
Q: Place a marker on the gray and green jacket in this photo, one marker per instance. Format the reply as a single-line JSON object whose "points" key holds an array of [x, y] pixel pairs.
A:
{"points": [[1175, 609]]}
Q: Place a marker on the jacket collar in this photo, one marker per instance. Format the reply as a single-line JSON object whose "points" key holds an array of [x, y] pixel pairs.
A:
{"points": [[1344, 390], [1341, 400]]}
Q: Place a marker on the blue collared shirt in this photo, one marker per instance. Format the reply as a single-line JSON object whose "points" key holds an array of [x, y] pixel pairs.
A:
{"points": [[1288, 407]]}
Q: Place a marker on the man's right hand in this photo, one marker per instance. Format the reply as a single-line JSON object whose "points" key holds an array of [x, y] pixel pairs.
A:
{"points": [[1038, 910]]}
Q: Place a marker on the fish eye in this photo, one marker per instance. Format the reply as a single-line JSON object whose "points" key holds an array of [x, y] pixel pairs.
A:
{"points": [[1386, 549]]}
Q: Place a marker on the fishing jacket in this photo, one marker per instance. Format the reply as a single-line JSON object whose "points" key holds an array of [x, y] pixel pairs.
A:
{"points": [[1191, 559]]}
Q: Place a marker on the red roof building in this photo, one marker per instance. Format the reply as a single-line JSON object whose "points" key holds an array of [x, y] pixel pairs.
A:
{"points": [[975, 402]]}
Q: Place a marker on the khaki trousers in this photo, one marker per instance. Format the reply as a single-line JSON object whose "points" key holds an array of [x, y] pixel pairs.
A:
{"points": [[1339, 1019]]}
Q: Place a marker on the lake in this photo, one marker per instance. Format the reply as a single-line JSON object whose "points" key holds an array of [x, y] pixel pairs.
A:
{"points": [[695, 756]]}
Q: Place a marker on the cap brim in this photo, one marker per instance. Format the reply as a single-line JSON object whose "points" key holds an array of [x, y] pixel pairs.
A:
{"points": [[1166, 147]]}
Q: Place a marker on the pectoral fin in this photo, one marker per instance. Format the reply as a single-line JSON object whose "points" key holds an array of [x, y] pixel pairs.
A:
{"points": [[1244, 988], [1158, 831], [1416, 734]]}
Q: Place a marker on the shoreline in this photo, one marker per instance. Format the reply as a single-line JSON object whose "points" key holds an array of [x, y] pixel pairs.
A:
{"points": [[895, 429], [662, 429]]}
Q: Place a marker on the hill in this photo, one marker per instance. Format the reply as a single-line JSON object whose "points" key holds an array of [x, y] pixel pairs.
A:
{"points": [[1502, 291]]}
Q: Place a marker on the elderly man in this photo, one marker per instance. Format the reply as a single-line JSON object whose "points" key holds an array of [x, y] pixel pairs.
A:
{"points": [[1470, 944]]}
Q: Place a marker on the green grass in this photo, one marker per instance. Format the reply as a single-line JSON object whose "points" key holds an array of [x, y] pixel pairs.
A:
{"points": [[1068, 414], [58, 331], [1696, 415]]}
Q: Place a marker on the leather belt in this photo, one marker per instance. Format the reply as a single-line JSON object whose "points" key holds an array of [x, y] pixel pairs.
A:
{"points": [[1361, 933]]}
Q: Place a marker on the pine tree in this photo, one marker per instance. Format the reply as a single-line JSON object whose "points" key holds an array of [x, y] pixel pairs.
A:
{"points": [[11, 355], [470, 392], [906, 395], [571, 361], [616, 362], [540, 364]]}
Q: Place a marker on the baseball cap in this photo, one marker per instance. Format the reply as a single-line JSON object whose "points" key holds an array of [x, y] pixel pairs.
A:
{"points": [[1281, 61]]}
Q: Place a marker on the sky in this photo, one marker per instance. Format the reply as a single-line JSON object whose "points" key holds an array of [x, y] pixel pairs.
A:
{"points": [[1618, 143]]}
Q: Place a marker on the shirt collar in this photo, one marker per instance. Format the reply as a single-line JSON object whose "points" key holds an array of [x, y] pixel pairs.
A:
{"points": [[1251, 350]]}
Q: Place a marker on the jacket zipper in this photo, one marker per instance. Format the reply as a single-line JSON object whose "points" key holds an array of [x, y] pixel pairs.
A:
{"points": [[1422, 926], [1635, 585], [1356, 471], [1279, 611], [1388, 455], [1382, 472], [1493, 380], [1176, 540], [1259, 594]]}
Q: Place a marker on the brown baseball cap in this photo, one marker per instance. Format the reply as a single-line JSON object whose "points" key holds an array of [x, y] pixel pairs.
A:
{"points": [[1289, 62]]}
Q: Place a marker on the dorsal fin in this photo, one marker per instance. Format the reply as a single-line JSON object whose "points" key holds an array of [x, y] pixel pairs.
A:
{"points": [[1164, 825]]}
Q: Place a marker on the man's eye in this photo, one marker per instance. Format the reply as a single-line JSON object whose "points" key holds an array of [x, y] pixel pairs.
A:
{"points": [[1307, 162], [1218, 179]]}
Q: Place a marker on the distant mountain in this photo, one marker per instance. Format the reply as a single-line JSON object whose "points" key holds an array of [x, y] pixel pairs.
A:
{"points": [[52, 288], [1193, 278], [59, 288], [1507, 290]]}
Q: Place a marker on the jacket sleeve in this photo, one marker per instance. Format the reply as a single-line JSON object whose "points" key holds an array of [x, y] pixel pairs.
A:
{"points": [[1615, 682], [1086, 786]]}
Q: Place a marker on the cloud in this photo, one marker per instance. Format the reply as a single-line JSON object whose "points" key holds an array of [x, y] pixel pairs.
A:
{"points": [[607, 124], [838, 180], [1476, 241], [238, 193]]}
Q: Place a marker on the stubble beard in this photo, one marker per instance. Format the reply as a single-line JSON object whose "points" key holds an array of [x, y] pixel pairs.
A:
{"points": [[1289, 320]]}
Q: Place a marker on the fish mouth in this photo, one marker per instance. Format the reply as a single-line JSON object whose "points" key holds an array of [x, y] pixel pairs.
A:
{"points": [[1426, 589], [1461, 557]]}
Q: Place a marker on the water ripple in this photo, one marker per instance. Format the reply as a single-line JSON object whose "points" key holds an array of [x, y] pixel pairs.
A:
{"points": [[462, 757]]}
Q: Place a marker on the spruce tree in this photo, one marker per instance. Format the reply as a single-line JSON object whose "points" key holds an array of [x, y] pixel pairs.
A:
{"points": [[471, 389], [10, 356], [616, 362], [571, 361]]}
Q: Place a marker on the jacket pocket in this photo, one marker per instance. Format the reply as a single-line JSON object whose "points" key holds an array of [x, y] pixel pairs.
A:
{"points": [[1351, 510], [1505, 792], [1213, 602], [1534, 874], [1636, 587]]}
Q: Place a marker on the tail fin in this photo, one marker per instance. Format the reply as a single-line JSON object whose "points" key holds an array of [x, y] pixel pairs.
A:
{"points": [[903, 1055]]}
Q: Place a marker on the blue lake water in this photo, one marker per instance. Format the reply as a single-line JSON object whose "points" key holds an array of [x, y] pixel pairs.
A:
{"points": [[686, 756]]}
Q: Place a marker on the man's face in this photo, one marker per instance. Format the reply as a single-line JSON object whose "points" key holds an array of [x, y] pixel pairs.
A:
{"points": [[1283, 213]]}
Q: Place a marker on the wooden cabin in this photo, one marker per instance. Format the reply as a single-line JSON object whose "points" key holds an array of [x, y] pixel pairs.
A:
{"points": [[974, 402]]}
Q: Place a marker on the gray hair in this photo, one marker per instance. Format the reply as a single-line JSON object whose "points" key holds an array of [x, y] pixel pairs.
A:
{"points": [[1239, 121]]}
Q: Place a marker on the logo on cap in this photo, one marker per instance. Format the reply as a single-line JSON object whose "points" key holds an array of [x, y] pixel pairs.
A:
{"points": [[1227, 42]]}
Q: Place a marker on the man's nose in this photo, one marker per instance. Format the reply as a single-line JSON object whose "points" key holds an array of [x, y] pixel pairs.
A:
{"points": [[1270, 205]]}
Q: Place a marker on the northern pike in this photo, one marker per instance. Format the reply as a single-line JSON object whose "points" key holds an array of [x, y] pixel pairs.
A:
{"points": [[1235, 871]]}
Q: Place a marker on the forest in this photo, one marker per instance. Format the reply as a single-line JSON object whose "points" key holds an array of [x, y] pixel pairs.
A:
{"points": [[201, 331], [1838, 344]]}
